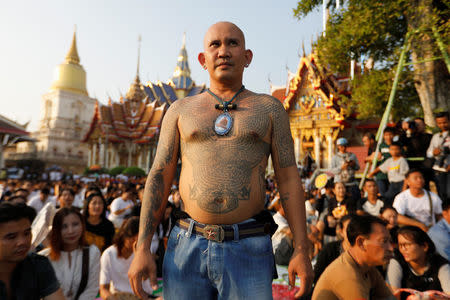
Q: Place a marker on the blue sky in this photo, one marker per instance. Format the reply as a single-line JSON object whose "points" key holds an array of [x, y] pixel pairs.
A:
{"points": [[36, 35]]}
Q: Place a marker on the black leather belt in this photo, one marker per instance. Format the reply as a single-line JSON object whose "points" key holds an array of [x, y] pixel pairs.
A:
{"points": [[220, 233]]}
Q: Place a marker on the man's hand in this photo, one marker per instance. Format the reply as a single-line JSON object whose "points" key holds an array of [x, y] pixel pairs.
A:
{"points": [[300, 265], [142, 267]]}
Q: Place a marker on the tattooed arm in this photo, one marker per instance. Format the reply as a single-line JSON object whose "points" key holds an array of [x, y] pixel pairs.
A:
{"points": [[291, 196], [155, 199]]}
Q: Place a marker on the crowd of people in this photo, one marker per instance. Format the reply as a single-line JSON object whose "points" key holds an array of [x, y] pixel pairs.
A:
{"points": [[96, 225]]}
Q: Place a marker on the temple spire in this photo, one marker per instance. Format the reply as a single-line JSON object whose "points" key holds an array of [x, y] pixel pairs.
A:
{"points": [[138, 57], [135, 92], [72, 56]]}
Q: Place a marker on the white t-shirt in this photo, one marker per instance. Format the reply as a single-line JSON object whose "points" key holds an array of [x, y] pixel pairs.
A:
{"points": [[395, 169], [373, 209], [418, 208], [37, 204], [116, 205], [114, 271], [78, 200], [69, 274]]}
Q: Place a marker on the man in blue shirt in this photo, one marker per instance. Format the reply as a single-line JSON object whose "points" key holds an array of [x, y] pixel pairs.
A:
{"points": [[440, 232]]}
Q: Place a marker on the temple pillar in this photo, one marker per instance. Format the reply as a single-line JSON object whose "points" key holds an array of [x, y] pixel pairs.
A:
{"points": [[129, 149], [139, 160], [90, 155], [317, 147], [106, 155], [94, 154], [101, 154], [330, 147]]}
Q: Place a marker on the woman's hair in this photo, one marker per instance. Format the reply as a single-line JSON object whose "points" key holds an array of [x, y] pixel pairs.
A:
{"points": [[336, 183], [384, 208], [89, 199], [56, 242], [92, 189], [66, 189], [416, 235], [129, 228]]}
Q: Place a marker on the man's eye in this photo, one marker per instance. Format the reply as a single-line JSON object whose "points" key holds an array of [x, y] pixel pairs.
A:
{"points": [[10, 236]]}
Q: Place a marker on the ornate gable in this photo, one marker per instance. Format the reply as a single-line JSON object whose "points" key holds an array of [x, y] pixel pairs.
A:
{"points": [[312, 96]]}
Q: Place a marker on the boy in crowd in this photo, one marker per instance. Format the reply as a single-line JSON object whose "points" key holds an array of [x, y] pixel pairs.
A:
{"points": [[395, 167], [23, 276], [381, 179], [417, 206], [372, 204]]}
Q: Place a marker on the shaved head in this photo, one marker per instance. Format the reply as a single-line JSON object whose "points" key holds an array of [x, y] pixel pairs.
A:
{"points": [[221, 27], [225, 56]]}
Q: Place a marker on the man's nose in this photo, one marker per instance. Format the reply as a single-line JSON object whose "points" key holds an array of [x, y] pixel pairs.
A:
{"points": [[23, 240], [224, 51]]}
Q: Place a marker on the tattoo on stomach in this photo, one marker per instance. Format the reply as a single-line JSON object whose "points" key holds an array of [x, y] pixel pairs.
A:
{"points": [[219, 190]]}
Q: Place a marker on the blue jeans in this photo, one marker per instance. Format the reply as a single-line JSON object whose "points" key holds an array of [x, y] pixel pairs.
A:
{"points": [[197, 268]]}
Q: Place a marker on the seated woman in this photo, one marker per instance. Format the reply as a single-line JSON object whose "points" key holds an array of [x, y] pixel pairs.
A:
{"points": [[116, 261], [389, 214], [418, 267], [338, 207], [71, 258], [99, 230]]}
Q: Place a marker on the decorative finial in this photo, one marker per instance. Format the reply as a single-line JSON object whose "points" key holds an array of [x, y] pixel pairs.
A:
{"points": [[72, 56], [303, 48], [184, 40], [139, 56]]}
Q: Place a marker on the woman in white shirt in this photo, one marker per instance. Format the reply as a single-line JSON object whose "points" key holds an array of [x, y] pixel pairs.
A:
{"points": [[116, 261], [67, 253]]}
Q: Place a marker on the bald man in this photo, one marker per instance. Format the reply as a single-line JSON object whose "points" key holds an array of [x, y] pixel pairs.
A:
{"points": [[224, 138]]}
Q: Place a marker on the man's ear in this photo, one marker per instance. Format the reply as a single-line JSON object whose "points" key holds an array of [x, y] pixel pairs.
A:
{"points": [[248, 56], [360, 242], [201, 58]]}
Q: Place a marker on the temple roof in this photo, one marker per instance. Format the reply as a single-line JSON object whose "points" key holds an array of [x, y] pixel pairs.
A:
{"points": [[138, 115], [179, 86], [117, 122], [181, 78], [13, 131], [312, 78]]}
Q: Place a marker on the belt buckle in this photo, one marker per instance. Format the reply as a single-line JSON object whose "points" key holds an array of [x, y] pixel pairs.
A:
{"points": [[214, 233]]}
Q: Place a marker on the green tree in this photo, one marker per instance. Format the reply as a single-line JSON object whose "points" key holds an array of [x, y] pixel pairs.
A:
{"points": [[116, 170], [372, 32], [134, 171]]}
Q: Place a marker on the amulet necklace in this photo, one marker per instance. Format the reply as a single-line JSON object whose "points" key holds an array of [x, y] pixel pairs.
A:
{"points": [[224, 121]]}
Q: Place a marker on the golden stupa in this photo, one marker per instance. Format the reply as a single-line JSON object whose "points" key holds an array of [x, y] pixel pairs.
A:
{"points": [[70, 75]]}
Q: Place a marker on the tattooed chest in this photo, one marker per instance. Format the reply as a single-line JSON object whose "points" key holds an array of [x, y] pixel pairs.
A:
{"points": [[245, 127]]}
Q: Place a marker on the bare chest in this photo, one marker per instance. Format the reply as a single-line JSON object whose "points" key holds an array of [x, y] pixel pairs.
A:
{"points": [[248, 123]]}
